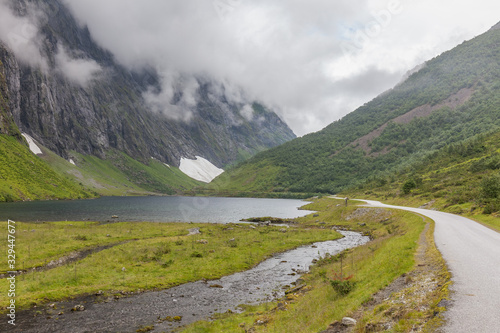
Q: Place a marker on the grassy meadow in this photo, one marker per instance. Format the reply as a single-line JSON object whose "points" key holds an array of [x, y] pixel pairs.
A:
{"points": [[143, 256], [371, 267]]}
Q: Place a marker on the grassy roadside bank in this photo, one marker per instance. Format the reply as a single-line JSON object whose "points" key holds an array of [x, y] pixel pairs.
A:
{"points": [[373, 267], [144, 256], [489, 220]]}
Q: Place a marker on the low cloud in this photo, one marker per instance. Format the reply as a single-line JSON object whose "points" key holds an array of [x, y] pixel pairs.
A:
{"points": [[78, 70], [290, 55], [247, 112], [20, 35], [177, 97]]}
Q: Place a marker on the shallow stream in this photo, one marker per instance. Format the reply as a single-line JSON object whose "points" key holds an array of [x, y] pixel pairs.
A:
{"points": [[193, 301]]}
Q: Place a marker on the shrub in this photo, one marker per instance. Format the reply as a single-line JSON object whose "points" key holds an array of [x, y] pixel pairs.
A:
{"points": [[490, 187], [196, 254], [162, 249], [167, 263], [409, 185], [342, 285]]}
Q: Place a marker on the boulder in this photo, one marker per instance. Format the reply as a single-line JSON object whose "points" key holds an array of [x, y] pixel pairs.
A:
{"points": [[348, 321]]}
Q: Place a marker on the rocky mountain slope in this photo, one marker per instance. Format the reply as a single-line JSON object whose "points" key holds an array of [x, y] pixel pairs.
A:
{"points": [[76, 97], [452, 98], [125, 133]]}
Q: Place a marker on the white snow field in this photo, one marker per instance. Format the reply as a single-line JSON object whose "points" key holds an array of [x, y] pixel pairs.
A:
{"points": [[200, 169], [33, 147]]}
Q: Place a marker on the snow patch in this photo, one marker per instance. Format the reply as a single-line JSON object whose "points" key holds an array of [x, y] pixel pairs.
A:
{"points": [[199, 169], [33, 147], [71, 161]]}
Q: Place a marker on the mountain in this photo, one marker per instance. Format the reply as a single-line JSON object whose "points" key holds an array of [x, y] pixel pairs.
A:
{"points": [[451, 98], [461, 178], [72, 97]]}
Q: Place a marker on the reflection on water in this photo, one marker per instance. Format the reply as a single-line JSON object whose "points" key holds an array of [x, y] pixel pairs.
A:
{"points": [[153, 209]]}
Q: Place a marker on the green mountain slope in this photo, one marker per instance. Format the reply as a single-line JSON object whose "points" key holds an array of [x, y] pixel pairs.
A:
{"points": [[119, 174], [24, 176], [452, 98], [462, 178]]}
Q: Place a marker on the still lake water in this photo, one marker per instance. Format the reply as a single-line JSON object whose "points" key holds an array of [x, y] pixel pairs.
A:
{"points": [[152, 209]]}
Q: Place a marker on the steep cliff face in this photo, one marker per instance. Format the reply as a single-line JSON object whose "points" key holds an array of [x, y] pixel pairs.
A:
{"points": [[7, 124], [91, 115]]}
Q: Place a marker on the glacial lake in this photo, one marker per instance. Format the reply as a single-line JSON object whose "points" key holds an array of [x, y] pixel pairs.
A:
{"points": [[152, 209]]}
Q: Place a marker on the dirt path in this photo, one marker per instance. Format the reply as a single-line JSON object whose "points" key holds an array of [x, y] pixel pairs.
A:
{"points": [[67, 259]]}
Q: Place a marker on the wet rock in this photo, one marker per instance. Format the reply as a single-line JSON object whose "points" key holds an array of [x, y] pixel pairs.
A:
{"points": [[445, 303], [280, 306], [262, 321], [194, 231], [334, 327], [293, 290], [348, 321], [216, 286], [78, 307]]}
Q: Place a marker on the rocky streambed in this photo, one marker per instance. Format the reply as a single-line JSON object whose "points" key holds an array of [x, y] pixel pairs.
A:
{"points": [[183, 304]]}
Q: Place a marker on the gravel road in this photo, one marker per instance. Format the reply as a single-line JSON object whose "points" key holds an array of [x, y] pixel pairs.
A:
{"points": [[472, 252]]}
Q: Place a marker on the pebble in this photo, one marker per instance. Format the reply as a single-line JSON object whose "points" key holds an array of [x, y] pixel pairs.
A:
{"points": [[348, 321]]}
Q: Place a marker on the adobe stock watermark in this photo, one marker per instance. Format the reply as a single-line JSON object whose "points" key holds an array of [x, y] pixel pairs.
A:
{"points": [[200, 203], [11, 273], [224, 8], [381, 20]]}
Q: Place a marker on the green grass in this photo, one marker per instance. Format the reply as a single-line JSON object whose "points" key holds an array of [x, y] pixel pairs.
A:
{"points": [[492, 221], [157, 256], [24, 176], [119, 174], [249, 178], [373, 266]]}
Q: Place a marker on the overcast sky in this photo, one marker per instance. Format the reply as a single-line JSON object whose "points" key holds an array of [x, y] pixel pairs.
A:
{"points": [[312, 60]]}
